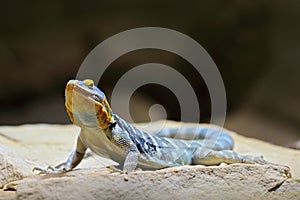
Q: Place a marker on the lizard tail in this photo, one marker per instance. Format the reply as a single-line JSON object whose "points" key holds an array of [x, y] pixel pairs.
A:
{"points": [[216, 136]]}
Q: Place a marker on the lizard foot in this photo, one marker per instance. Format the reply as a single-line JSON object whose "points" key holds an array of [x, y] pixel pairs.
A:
{"points": [[50, 170], [113, 169]]}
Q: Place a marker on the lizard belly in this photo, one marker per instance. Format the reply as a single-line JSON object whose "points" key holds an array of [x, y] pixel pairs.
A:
{"points": [[96, 140]]}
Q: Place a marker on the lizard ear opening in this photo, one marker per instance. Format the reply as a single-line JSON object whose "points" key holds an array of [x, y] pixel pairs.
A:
{"points": [[112, 125]]}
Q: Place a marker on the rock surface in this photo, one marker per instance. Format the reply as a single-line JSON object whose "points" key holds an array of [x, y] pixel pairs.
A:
{"points": [[27, 146]]}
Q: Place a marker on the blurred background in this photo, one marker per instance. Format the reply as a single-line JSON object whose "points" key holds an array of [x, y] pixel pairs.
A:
{"points": [[255, 44]]}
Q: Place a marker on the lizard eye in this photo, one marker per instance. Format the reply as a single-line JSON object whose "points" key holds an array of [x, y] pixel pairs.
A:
{"points": [[89, 83]]}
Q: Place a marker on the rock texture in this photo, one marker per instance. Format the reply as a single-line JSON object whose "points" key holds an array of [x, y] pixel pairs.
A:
{"points": [[27, 146], [198, 182]]}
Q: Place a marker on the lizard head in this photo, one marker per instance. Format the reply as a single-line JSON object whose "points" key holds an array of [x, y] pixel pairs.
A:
{"points": [[87, 105]]}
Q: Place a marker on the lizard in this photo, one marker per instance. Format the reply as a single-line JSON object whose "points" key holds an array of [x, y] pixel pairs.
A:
{"points": [[110, 136]]}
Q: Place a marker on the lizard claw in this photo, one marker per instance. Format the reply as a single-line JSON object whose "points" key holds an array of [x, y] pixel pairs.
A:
{"points": [[48, 170]]}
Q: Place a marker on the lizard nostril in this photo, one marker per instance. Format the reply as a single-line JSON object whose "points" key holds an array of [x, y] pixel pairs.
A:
{"points": [[96, 98]]}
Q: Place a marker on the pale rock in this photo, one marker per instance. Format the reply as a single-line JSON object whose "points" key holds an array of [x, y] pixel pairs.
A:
{"points": [[28, 146]]}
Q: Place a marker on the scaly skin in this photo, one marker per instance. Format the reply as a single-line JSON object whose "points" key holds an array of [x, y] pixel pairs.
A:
{"points": [[109, 136]]}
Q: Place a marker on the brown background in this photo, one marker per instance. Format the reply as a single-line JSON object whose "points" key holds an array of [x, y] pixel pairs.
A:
{"points": [[255, 44]]}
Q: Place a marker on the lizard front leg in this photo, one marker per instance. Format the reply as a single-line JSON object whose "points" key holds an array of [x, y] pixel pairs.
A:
{"points": [[122, 139], [212, 157], [131, 161], [73, 160]]}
